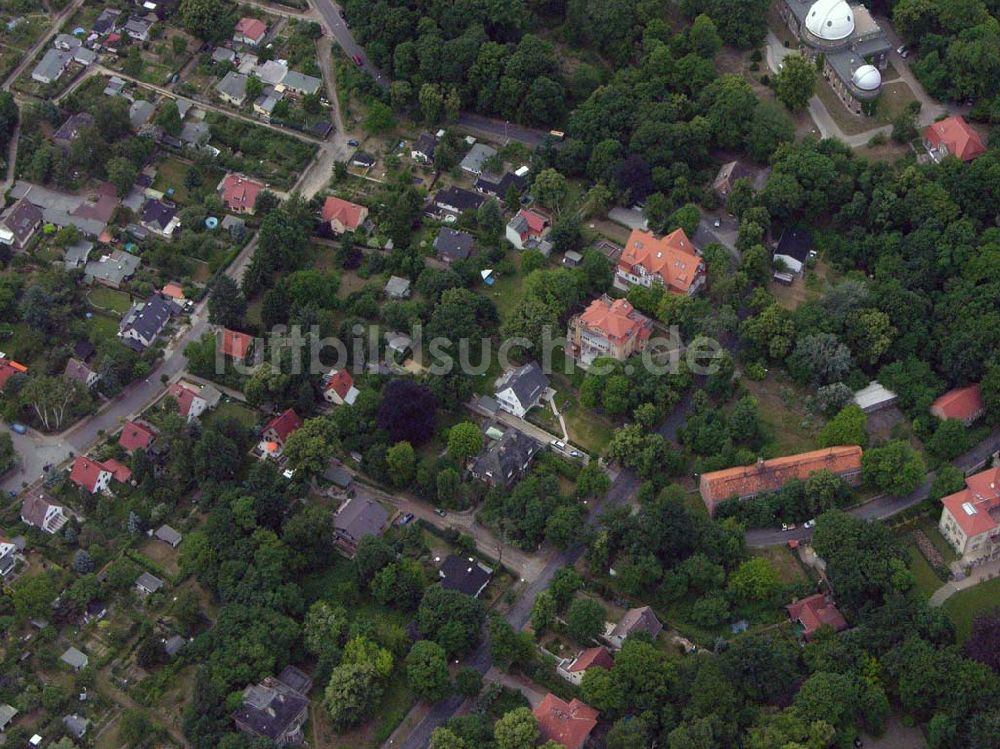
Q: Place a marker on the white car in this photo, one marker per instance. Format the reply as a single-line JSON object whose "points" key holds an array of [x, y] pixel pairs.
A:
{"points": [[559, 444], [809, 523], [788, 526]]}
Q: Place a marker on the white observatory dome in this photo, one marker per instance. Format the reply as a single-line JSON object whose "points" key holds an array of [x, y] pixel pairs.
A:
{"points": [[867, 78], [830, 20]]}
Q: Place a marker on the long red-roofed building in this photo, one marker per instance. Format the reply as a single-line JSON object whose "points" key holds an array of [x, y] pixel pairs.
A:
{"points": [[970, 518], [962, 404], [954, 136], [815, 612], [566, 723], [136, 436], [94, 476], [608, 327], [670, 262]]}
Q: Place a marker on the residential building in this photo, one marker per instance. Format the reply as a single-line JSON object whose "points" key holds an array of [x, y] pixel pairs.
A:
{"points": [[277, 432], [970, 517], [815, 612], [526, 228], [234, 345], [77, 371], [75, 659], [94, 476], [136, 435], [7, 714], [273, 710], [397, 287], [338, 388], [20, 224], [174, 292], [107, 21], [358, 517], [572, 259], [953, 136], [169, 536], [233, 88], [8, 558], [499, 185], [190, 404], [195, 133], [239, 193], [75, 725], [568, 724], [160, 217], [223, 54], [343, 216], [464, 574], [766, 476], [9, 368], [476, 158], [363, 160], [84, 56], [144, 322], [794, 249], [52, 66], [66, 42], [40, 511], [300, 83], [451, 245], [874, 397], [70, 130], [111, 270], [641, 619], [573, 669], [147, 584], [845, 38], [138, 29], [455, 200], [506, 459], [735, 170], [670, 262], [271, 72], [77, 254], [115, 86], [608, 327], [250, 31], [140, 112], [423, 148], [520, 389], [963, 404]]}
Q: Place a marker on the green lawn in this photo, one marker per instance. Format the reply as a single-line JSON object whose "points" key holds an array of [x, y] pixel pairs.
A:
{"points": [[171, 173], [923, 573], [508, 291], [966, 605], [235, 410], [101, 327], [109, 299]]}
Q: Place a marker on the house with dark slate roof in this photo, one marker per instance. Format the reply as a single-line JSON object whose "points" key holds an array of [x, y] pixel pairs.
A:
{"points": [[451, 245], [358, 517], [20, 224], [507, 459], [498, 186], [146, 320], [272, 710], [520, 389], [69, 131], [455, 200], [423, 148], [160, 217], [464, 574]]}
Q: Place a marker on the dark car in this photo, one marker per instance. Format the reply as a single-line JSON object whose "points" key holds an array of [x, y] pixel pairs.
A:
{"points": [[404, 519], [357, 60]]}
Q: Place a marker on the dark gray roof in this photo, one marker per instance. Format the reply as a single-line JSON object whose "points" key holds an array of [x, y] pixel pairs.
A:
{"points": [[296, 679], [476, 157], [140, 112], [363, 158], [76, 725], [151, 318], [270, 709], [77, 254], [425, 144], [106, 21], [149, 582], [456, 197], [337, 474], [70, 129], [83, 350], [168, 535], [233, 85], [452, 244], [360, 517], [23, 219], [157, 213], [464, 574], [528, 383], [506, 458], [494, 185], [796, 243], [113, 268]]}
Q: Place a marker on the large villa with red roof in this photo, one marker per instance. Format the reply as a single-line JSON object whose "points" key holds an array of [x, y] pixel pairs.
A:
{"points": [[670, 262], [609, 328], [970, 517], [343, 215], [953, 136], [566, 723]]}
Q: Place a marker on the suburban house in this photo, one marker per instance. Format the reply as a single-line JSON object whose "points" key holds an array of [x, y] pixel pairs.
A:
{"points": [[249, 31], [526, 228], [174, 292], [52, 66], [274, 710], [277, 431], [190, 404], [506, 459], [608, 327], [397, 287], [573, 669], [456, 200], [969, 518], [20, 224], [641, 619], [794, 248], [94, 477], [169, 536], [233, 88], [74, 659], [77, 371], [963, 404], [7, 715], [70, 130], [343, 216], [670, 262], [363, 160], [76, 725], [136, 435], [300, 83], [111, 270], [477, 156], [9, 368], [734, 170], [451, 245], [140, 112], [159, 217], [147, 584], [144, 322], [338, 388], [423, 148], [40, 511], [234, 345], [138, 29], [953, 136], [765, 476], [520, 389], [239, 193], [358, 517], [874, 397], [8, 556], [499, 185], [107, 21], [464, 574], [814, 612], [568, 724]]}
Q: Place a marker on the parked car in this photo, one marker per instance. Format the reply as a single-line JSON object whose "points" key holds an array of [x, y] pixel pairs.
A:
{"points": [[809, 523], [353, 142], [357, 60], [404, 519], [788, 526], [902, 51], [576, 454], [439, 512], [18, 428], [559, 444]]}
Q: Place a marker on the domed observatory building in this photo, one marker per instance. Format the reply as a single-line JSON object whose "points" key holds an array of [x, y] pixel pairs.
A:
{"points": [[853, 46]]}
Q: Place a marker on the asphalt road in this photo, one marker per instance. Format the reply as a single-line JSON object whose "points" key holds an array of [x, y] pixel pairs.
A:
{"points": [[337, 27], [501, 130]]}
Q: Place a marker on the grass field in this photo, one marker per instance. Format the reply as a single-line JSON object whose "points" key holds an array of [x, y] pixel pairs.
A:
{"points": [[966, 605], [102, 327], [785, 562], [171, 173], [235, 410], [109, 299], [923, 573], [792, 430]]}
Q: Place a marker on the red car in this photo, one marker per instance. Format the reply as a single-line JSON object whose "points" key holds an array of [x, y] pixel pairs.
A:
{"points": [[357, 60]]}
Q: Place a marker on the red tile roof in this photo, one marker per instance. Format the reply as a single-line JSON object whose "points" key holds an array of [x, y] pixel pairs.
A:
{"points": [[240, 193], [184, 396], [136, 436], [592, 657], [284, 424], [86, 472], [9, 368], [536, 222], [341, 383], [964, 404], [119, 471], [616, 320], [349, 214], [961, 140], [234, 344], [173, 290], [770, 475], [974, 507], [672, 258], [566, 723], [814, 612], [252, 28]]}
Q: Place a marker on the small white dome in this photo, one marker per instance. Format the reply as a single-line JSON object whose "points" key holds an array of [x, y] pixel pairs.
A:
{"points": [[867, 78], [830, 20]]}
